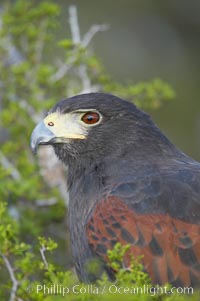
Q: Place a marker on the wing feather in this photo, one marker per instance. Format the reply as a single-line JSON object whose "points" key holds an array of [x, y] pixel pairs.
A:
{"points": [[170, 246]]}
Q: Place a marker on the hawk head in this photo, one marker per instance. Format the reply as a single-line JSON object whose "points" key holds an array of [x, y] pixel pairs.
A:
{"points": [[98, 125]]}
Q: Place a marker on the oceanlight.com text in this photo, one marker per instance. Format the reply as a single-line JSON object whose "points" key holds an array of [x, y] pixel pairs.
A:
{"points": [[59, 289]]}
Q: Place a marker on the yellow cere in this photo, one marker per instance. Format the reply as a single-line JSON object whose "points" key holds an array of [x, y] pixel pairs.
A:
{"points": [[65, 125]]}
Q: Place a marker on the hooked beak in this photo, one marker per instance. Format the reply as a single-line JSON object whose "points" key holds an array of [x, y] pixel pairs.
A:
{"points": [[40, 135]]}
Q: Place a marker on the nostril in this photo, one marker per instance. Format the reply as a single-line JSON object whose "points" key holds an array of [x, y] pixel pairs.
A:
{"points": [[51, 123]]}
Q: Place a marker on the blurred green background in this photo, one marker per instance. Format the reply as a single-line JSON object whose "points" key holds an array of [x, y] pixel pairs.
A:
{"points": [[149, 39]]}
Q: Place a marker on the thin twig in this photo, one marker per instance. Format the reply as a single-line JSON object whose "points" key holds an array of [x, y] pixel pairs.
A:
{"points": [[64, 68], [42, 251], [41, 42], [75, 34], [85, 79], [74, 26], [9, 166], [92, 32], [76, 38], [48, 202], [15, 282], [30, 110]]}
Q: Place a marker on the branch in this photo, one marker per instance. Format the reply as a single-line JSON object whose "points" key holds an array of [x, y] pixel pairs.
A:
{"points": [[30, 110], [74, 26], [48, 202], [40, 42], [92, 32], [76, 38], [9, 166], [63, 69], [42, 251], [85, 79], [15, 282], [75, 33]]}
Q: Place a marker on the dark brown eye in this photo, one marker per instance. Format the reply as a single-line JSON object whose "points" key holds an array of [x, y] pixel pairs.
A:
{"points": [[90, 117], [51, 123]]}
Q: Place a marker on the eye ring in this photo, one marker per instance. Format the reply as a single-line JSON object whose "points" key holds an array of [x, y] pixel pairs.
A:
{"points": [[91, 118], [50, 123]]}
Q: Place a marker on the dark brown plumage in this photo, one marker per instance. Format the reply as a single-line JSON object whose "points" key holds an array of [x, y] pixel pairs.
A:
{"points": [[127, 183]]}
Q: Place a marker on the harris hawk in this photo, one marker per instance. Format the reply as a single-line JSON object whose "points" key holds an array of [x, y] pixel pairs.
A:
{"points": [[127, 183]]}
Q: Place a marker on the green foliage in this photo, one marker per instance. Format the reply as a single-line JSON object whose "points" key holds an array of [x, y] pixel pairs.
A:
{"points": [[37, 278], [148, 95], [31, 82]]}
